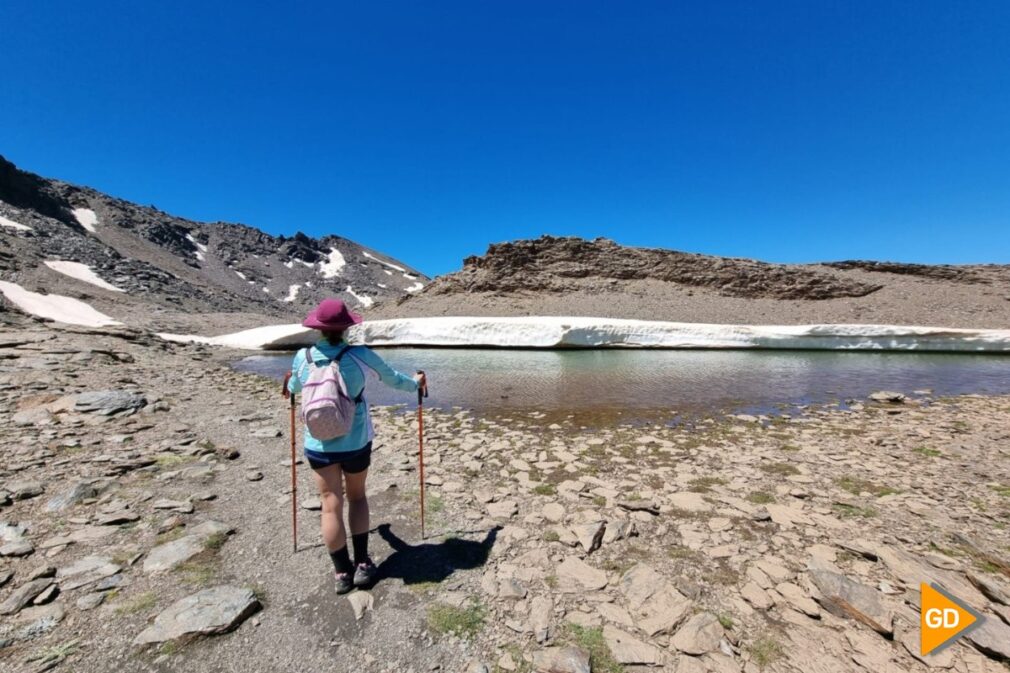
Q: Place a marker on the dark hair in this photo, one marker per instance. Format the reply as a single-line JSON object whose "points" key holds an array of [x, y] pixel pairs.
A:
{"points": [[334, 337]]}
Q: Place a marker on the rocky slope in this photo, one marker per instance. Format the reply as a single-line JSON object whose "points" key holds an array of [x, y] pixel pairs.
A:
{"points": [[167, 266], [573, 276]]}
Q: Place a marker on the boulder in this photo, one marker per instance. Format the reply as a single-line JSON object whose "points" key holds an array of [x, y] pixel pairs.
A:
{"points": [[561, 660], [575, 576], [208, 612], [24, 595], [699, 634], [627, 649], [846, 598], [108, 402], [171, 554]]}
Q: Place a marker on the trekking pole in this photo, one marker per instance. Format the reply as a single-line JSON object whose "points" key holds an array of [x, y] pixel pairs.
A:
{"points": [[294, 480], [422, 392]]}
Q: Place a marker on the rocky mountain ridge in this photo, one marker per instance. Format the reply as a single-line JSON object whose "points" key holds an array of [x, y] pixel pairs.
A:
{"points": [[172, 263]]}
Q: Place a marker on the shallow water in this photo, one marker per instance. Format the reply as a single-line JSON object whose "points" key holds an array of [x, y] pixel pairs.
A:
{"points": [[671, 382]]}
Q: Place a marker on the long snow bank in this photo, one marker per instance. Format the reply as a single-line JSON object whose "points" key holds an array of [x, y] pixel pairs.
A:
{"points": [[560, 332], [81, 272], [55, 307]]}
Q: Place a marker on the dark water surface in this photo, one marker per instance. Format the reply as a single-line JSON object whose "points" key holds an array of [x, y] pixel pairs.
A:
{"points": [[631, 382]]}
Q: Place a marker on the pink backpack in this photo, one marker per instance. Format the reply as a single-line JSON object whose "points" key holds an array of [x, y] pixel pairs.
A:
{"points": [[327, 409]]}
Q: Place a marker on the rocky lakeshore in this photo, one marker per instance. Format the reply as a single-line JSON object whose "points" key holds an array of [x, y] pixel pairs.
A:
{"points": [[145, 524]]}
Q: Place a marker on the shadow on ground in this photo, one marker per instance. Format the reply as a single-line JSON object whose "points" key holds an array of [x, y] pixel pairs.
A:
{"points": [[432, 561]]}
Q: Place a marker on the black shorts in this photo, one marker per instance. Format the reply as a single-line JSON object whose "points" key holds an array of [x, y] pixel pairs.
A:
{"points": [[350, 462]]}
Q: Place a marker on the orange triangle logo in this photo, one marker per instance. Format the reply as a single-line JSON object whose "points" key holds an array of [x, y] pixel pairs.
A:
{"points": [[943, 619]]}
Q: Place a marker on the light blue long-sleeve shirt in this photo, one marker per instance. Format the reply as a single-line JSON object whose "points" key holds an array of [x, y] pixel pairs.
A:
{"points": [[352, 369]]}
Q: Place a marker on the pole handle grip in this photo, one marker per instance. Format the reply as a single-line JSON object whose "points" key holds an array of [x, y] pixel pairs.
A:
{"points": [[422, 386]]}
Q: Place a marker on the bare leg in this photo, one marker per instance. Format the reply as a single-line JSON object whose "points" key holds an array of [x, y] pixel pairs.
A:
{"points": [[331, 494], [357, 502]]}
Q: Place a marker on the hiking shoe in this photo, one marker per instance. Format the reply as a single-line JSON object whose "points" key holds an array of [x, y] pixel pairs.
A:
{"points": [[364, 574], [343, 582]]}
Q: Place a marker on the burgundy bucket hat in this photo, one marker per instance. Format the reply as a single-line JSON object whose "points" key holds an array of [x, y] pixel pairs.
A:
{"points": [[331, 314]]}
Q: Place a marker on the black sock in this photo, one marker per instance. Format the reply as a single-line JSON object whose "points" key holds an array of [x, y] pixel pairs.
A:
{"points": [[360, 543], [341, 560]]}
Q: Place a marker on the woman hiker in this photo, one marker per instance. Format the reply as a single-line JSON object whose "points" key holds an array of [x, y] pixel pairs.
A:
{"points": [[340, 465]]}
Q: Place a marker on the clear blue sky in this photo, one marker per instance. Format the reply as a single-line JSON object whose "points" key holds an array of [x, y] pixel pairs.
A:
{"points": [[787, 131]]}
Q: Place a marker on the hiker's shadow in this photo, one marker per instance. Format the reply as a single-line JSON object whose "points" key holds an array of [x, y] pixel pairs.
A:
{"points": [[432, 561]]}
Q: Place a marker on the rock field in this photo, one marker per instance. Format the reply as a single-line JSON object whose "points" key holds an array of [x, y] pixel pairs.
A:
{"points": [[145, 526]]}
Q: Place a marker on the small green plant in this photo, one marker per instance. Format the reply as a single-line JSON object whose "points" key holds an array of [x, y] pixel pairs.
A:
{"points": [[166, 460], [551, 536], [765, 651], [169, 535], [551, 581], [545, 489], [435, 504], [855, 485], [599, 500], [792, 448], [1002, 490], [139, 603], [704, 484], [215, 541], [169, 648], [601, 660], [54, 654], [927, 451], [780, 469], [761, 497], [464, 622], [200, 572], [726, 621]]}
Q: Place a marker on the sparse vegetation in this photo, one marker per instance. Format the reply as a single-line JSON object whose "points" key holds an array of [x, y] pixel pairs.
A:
{"points": [[464, 622], [780, 469], [54, 654], [726, 621], [927, 451], [198, 572], [765, 651], [591, 639], [139, 603], [545, 489], [856, 485], [761, 497], [551, 536], [705, 484]]}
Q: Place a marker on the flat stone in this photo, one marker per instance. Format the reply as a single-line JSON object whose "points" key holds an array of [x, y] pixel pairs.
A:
{"points": [[91, 601], [361, 602], [79, 492], [699, 634], [181, 506], [992, 638], [541, 612], [799, 599], [17, 548], [503, 510], [312, 503], [85, 571], [561, 660], [24, 595], [554, 512], [511, 589], [575, 576], [887, 396], [756, 596], [845, 598], [117, 518], [690, 502], [654, 603], [208, 612], [627, 649], [590, 535], [22, 490], [171, 554], [108, 402]]}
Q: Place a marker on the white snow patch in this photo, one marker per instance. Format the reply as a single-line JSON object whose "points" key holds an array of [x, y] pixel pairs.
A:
{"points": [[388, 272], [390, 265], [308, 283], [364, 300], [266, 289], [13, 225], [87, 218], [292, 292], [333, 265], [580, 332], [268, 337], [381, 285], [409, 277], [416, 287], [289, 264], [81, 272], [201, 249], [55, 307], [240, 274]]}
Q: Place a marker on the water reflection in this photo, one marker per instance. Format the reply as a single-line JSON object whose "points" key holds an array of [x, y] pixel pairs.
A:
{"points": [[674, 381]]}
